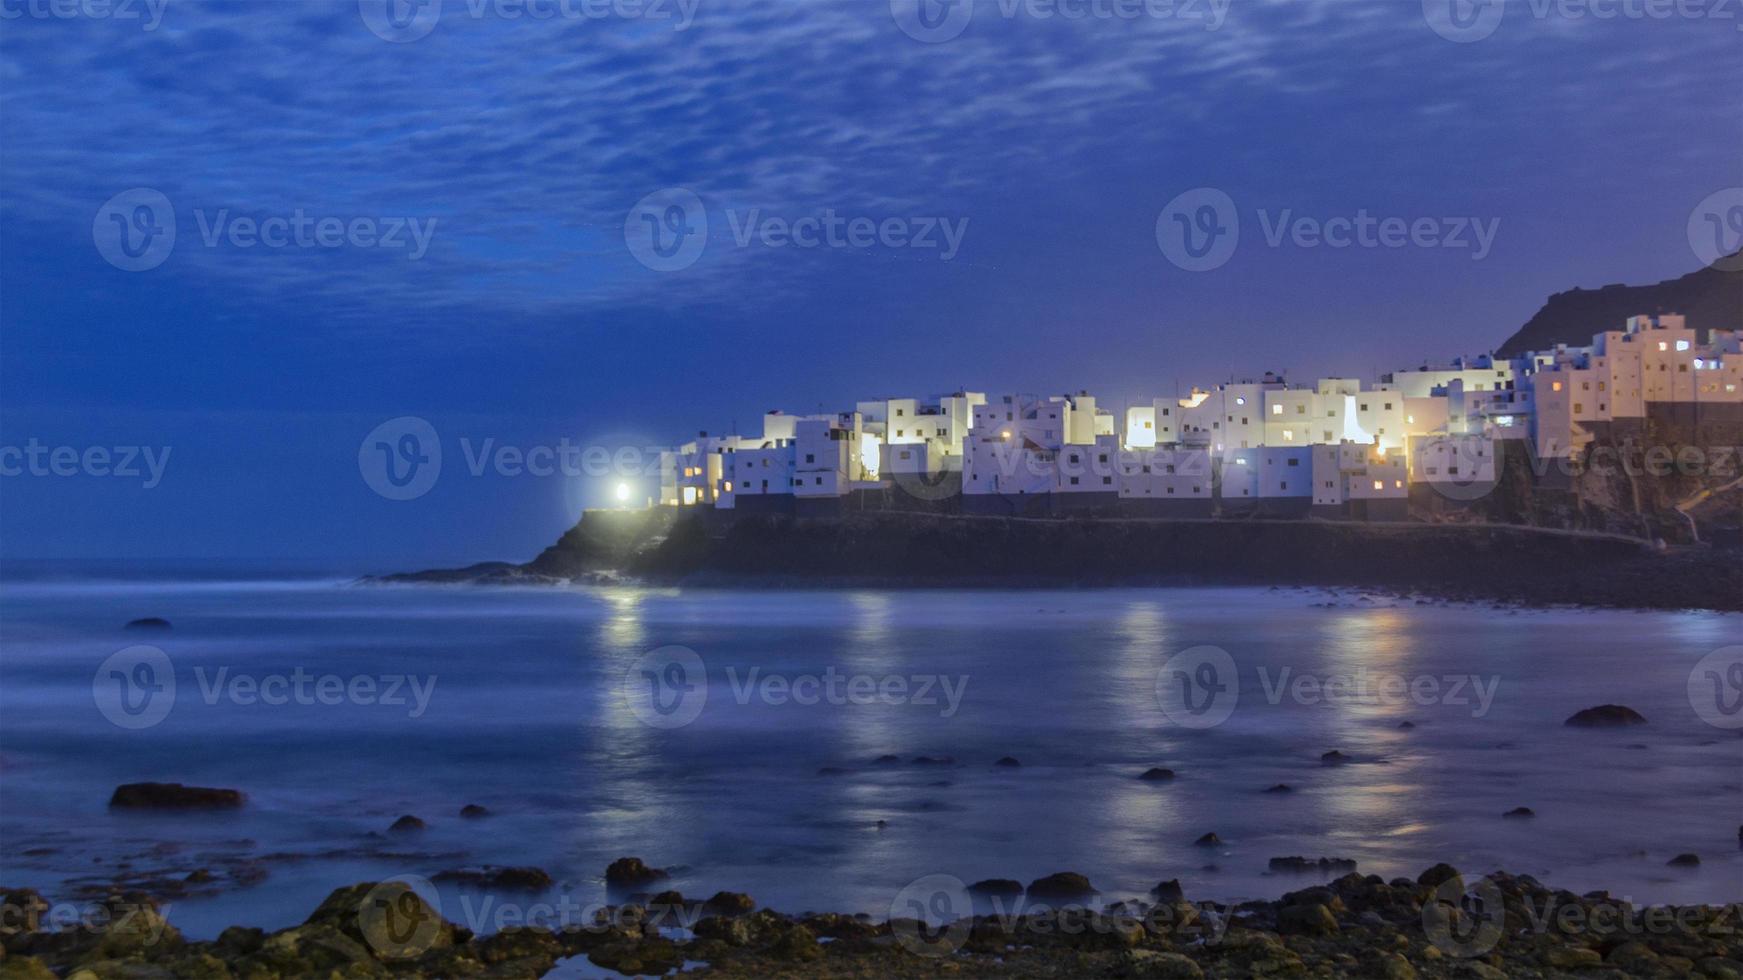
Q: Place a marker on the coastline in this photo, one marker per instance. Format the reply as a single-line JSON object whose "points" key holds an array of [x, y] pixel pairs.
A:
{"points": [[1439, 924], [1509, 565]]}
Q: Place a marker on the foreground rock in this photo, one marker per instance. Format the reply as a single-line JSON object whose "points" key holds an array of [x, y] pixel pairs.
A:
{"points": [[1360, 926], [174, 796]]}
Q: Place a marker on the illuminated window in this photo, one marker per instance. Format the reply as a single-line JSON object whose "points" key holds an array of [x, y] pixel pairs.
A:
{"points": [[1276, 409], [1682, 345], [1379, 485]]}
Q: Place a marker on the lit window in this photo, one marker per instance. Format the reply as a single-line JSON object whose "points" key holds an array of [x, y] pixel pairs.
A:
{"points": [[1276, 409], [1240, 401], [1379, 485], [1682, 345]]}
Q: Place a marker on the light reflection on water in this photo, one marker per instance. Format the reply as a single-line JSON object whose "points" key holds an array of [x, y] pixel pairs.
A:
{"points": [[529, 718]]}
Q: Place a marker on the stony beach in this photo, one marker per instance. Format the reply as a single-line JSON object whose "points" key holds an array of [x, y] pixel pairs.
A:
{"points": [[1439, 924]]}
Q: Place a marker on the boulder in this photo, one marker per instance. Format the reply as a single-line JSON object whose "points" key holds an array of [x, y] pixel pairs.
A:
{"points": [[997, 888], [147, 623], [1301, 865], [1519, 812], [1438, 875], [473, 811], [1157, 775], [1685, 861], [406, 824], [174, 796], [729, 903], [631, 871], [1605, 716], [1208, 840], [1281, 788], [523, 879], [1063, 885], [1333, 758], [1168, 891], [1010, 762], [1306, 920]]}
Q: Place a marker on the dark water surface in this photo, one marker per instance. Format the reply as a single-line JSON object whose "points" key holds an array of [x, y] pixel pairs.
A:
{"points": [[529, 716]]}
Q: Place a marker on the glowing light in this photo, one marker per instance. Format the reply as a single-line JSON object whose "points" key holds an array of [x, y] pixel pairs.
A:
{"points": [[1379, 485], [623, 493]]}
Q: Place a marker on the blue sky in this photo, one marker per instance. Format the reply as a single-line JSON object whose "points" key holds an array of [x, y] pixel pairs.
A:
{"points": [[524, 146]]}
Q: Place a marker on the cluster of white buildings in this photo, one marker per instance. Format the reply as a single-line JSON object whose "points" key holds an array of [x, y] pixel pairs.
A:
{"points": [[1340, 448]]}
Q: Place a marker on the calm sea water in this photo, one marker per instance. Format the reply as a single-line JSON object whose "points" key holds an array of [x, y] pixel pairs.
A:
{"points": [[529, 716]]}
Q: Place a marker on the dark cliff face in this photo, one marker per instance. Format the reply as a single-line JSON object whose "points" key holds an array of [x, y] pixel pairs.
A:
{"points": [[1710, 298]]}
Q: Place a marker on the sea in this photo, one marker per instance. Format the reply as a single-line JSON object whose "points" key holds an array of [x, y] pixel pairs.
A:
{"points": [[826, 750]]}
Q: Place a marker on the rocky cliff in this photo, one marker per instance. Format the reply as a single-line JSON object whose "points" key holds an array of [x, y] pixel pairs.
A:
{"points": [[1710, 298]]}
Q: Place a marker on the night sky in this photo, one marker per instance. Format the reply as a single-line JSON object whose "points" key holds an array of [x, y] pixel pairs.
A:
{"points": [[1058, 149]]}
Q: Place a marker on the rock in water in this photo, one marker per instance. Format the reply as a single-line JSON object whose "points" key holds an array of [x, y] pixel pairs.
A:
{"points": [[1008, 761], [526, 879], [729, 903], [148, 623], [1169, 891], [997, 888], [473, 811], [1334, 758], [1685, 861], [406, 824], [1605, 716], [1208, 840], [1157, 775], [1062, 885], [174, 796], [631, 871], [1281, 788], [1518, 812]]}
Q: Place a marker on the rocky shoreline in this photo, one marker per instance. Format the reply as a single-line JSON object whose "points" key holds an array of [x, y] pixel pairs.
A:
{"points": [[1439, 924], [1429, 563]]}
